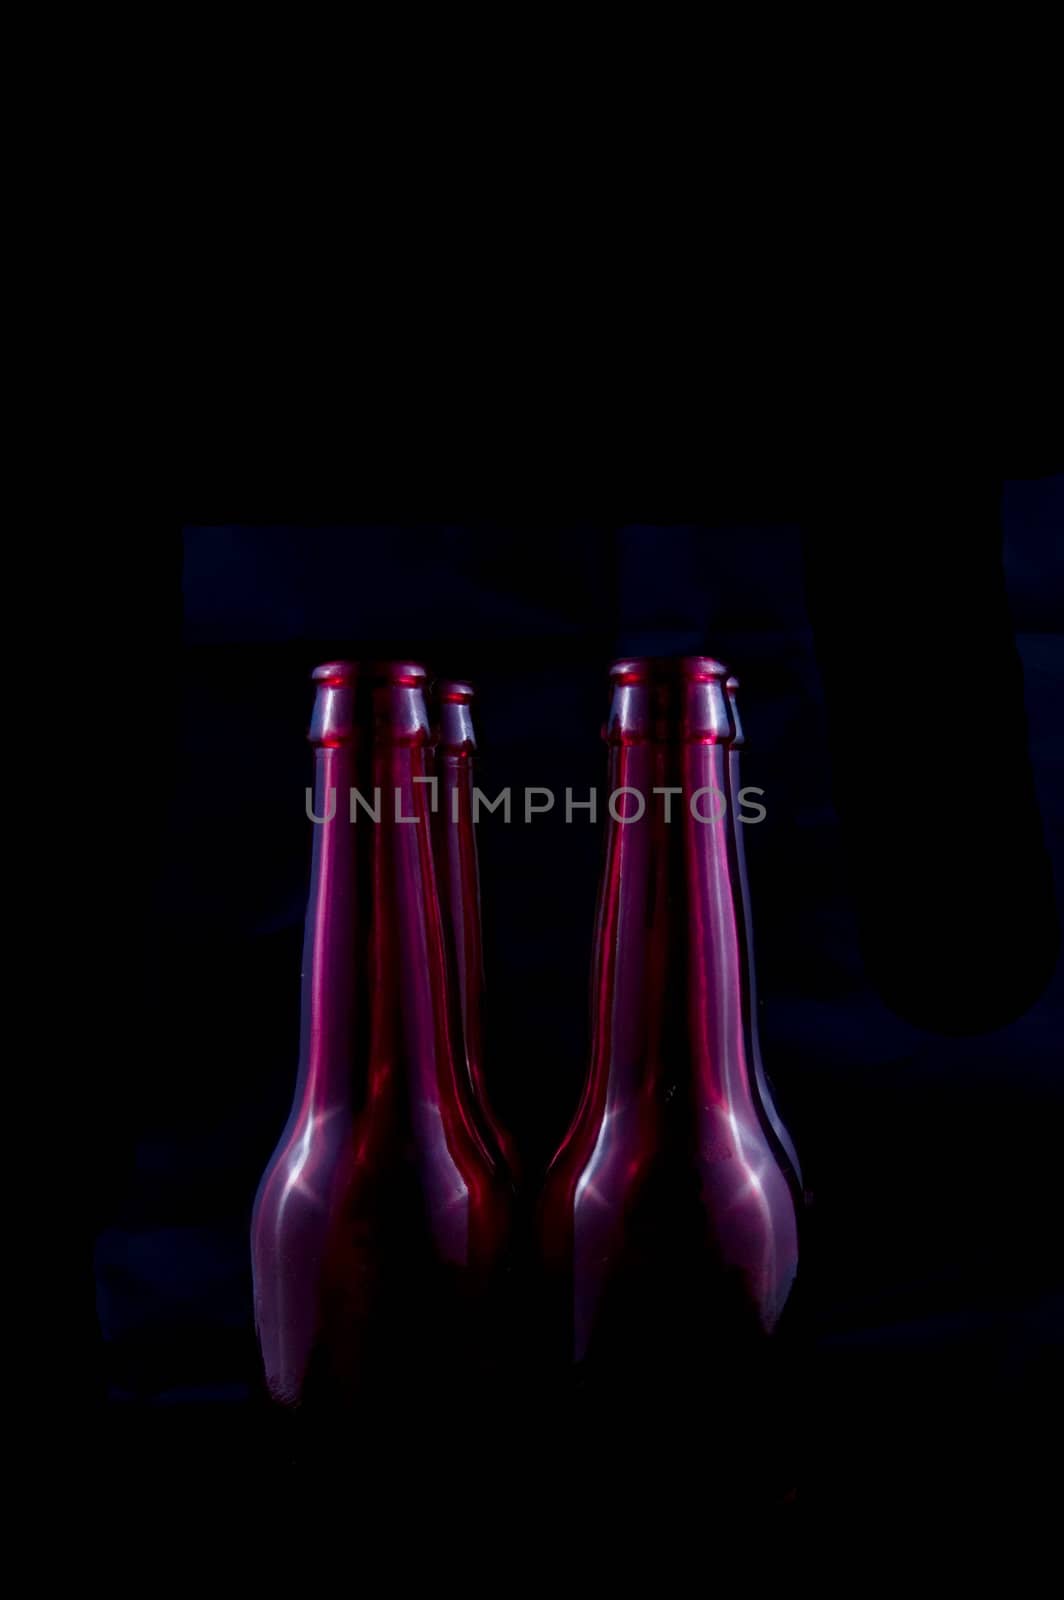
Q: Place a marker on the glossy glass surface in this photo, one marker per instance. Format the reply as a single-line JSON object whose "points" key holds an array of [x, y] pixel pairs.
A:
{"points": [[459, 878], [760, 1085], [668, 1224], [383, 1216]]}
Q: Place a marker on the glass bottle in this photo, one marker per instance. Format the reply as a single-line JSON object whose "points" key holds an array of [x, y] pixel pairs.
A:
{"points": [[668, 1227], [383, 1218]]}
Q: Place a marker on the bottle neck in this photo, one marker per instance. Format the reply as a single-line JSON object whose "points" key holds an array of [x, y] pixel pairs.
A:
{"points": [[714, 929], [329, 940], [460, 885], [459, 878], [413, 1024], [667, 976], [632, 934]]}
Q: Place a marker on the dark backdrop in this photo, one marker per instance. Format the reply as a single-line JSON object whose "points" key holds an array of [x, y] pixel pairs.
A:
{"points": [[912, 1017]]}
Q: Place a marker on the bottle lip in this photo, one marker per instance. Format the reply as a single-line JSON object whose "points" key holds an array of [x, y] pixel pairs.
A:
{"points": [[731, 688], [668, 699], [454, 721], [405, 674], [653, 669], [339, 674], [351, 696], [333, 720], [335, 674], [454, 692]]}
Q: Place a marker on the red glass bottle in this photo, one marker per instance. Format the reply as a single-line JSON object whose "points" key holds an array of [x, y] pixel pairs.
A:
{"points": [[668, 1226], [297, 1197], [460, 891], [384, 1216]]}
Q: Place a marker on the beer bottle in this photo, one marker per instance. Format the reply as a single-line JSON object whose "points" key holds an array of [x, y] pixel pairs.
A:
{"points": [[294, 1206], [383, 1217], [667, 1224]]}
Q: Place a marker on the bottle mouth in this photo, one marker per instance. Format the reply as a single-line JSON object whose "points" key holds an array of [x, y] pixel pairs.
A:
{"points": [[342, 674], [659, 669], [335, 674], [455, 734], [354, 698], [333, 721], [731, 690], [404, 674], [449, 692], [668, 700]]}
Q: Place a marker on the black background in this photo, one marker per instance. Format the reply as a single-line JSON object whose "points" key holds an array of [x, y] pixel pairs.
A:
{"points": [[912, 1003]]}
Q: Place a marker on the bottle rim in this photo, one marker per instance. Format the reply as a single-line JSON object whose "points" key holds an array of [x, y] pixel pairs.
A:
{"points": [[651, 669], [335, 674], [341, 674], [404, 674], [454, 692]]}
